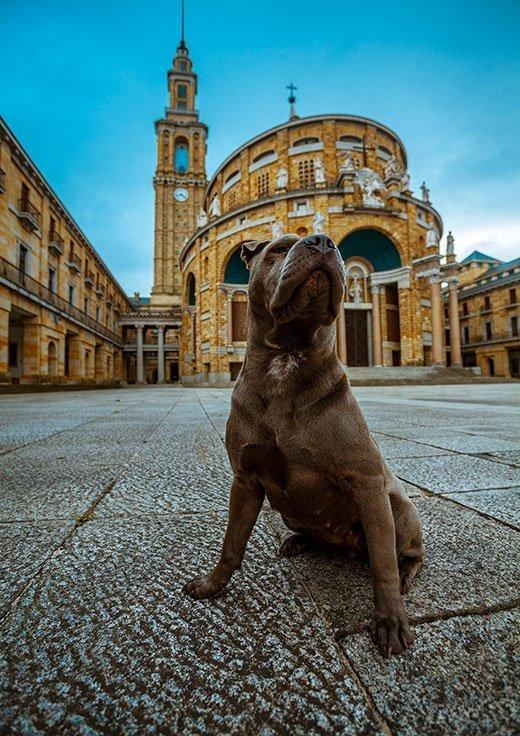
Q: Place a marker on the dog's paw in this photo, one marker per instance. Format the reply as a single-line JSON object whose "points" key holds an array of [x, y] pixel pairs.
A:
{"points": [[204, 587], [391, 633]]}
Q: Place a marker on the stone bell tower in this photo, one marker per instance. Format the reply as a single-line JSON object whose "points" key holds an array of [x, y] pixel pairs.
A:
{"points": [[180, 178]]}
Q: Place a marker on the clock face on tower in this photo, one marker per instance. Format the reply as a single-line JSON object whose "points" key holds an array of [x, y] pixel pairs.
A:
{"points": [[181, 194]]}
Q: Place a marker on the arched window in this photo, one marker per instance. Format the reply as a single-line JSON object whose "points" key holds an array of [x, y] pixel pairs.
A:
{"points": [[264, 154], [302, 232], [52, 359], [190, 290], [384, 153], [181, 156], [236, 271], [239, 317], [373, 246], [205, 269], [305, 141], [351, 142]]}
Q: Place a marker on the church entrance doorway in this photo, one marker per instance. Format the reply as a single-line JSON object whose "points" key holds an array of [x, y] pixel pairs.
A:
{"points": [[356, 325]]}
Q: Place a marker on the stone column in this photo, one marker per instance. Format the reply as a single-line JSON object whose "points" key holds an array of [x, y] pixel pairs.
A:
{"points": [[436, 306], [160, 354], [377, 348], [230, 318], [341, 334], [140, 355], [456, 352]]}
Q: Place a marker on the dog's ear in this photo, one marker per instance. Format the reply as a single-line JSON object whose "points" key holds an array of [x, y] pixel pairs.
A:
{"points": [[252, 248]]}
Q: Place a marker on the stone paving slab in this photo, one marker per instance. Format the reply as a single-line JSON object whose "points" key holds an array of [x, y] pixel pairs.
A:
{"points": [[456, 441], [183, 467], [459, 678], [106, 637], [61, 475], [509, 458], [453, 473], [471, 564], [392, 447], [23, 549], [503, 504]]}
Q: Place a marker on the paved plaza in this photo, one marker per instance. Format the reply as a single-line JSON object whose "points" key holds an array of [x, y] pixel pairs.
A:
{"points": [[111, 500]]}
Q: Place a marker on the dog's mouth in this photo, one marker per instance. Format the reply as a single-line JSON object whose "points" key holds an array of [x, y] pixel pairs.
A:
{"points": [[312, 298]]}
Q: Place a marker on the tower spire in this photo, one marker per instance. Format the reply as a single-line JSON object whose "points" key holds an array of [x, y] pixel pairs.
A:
{"points": [[182, 44], [291, 100]]}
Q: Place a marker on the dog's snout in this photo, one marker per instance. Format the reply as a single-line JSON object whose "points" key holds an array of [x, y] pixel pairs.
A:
{"points": [[321, 242]]}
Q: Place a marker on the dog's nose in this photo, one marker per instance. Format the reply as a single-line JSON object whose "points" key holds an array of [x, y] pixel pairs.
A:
{"points": [[321, 242]]}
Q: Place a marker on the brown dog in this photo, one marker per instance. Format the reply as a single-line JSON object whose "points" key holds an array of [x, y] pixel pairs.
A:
{"points": [[297, 435]]}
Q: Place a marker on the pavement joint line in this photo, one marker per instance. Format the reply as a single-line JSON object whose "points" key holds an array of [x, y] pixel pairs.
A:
{"points": [[67, 429], [342, 634], [432, 494], [342, 655], [499, 460], [429, 444], [85, 517], [210, 421]]}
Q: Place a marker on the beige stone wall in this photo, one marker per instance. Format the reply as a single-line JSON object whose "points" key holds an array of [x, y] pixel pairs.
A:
{"points": [[502, 307], [30, 310], [404, 220]]}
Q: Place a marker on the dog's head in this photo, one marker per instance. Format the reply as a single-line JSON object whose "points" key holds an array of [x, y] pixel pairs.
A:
{"points": [[295, 281]]}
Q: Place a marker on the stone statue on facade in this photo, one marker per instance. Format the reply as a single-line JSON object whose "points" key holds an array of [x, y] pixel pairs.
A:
{"points": [[214, 208], [392, 169], [370, 182], [318, 223], [404, 184], [349, 165], [276, 228], [282, 178], [319, 172], [432, 237], [355, 290], [202, 218], [450, 244], [425, 193]]}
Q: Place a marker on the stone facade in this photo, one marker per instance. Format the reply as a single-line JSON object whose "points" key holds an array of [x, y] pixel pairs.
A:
{"points": [[342, 174], [59, 303], [490, 315]]}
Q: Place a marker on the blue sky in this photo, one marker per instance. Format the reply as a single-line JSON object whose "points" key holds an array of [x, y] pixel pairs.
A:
{"points": [[84, 82]]}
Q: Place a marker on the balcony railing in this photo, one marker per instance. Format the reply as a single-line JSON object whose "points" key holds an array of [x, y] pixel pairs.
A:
{"points": [[100, 290], [74, 262], [28, 215], [56, 244], [13, 275], [2, 180], [90, 278]]}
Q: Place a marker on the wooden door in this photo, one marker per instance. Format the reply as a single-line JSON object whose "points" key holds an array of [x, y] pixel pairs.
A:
{"points": [[357, 337]]}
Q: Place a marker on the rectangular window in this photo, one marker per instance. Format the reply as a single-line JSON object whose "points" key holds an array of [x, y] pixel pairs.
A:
{"points": [[239, 321], [487, 302], [51, 282], [465, 308], [466, 334], [306, 174], [182, 92], [22, 259], [85, 305], [181, 104], [301, 206], [262, 184], [52, 227], [24, 196], [97, 314], [489, 331], [512, 296], [514, 326], [71, 294]]}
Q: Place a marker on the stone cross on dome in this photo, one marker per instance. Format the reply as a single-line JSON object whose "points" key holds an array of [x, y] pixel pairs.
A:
{"points": [[291, 100]]}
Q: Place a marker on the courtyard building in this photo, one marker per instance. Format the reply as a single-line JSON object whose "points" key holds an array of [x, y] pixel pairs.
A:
{"points": [[59, 303], [341, 174], [490, 315]]}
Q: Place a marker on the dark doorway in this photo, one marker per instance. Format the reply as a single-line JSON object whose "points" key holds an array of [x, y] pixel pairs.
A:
{"points": [[174, 372], [514, 363], [357, 337]]}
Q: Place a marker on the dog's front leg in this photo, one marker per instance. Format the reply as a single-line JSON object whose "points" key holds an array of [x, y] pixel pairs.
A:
{"points": [[390, 629], [244, 506]]}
